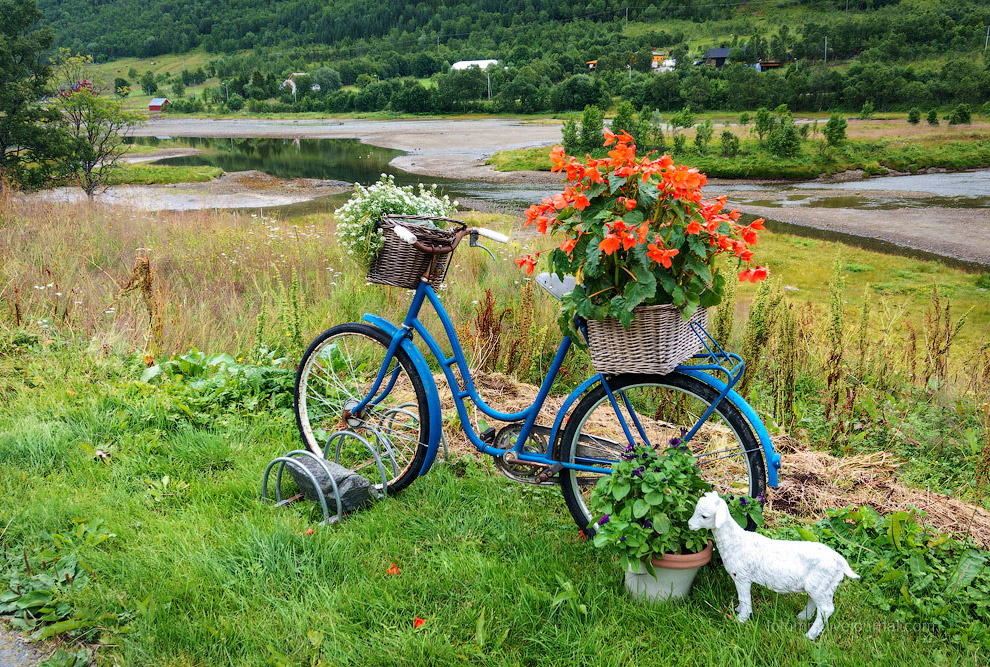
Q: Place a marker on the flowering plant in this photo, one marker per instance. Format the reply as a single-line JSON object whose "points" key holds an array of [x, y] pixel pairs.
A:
{"points": [[357, 220], [643, 507], [637, 231]]}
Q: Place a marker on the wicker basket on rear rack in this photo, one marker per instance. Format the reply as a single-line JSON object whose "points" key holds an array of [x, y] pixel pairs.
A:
{"points": [[658, 340], [401, 264]]}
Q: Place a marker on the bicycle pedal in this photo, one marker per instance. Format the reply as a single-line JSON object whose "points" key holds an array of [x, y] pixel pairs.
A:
{"points": [[548, 473], [488, 436]]}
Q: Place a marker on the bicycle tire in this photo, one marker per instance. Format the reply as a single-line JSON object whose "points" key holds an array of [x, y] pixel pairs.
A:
{"points": [[566, 446]]}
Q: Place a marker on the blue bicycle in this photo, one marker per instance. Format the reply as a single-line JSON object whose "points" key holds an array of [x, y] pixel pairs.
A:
{"points": [[370, 380]]}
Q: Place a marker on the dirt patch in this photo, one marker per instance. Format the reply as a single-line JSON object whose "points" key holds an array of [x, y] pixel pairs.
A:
{"points": [[961, 233], [241, 189], [15, 651], [811, 482]]}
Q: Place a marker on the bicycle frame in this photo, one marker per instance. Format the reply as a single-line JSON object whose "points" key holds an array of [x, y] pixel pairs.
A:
{"points": [[402, 336]]}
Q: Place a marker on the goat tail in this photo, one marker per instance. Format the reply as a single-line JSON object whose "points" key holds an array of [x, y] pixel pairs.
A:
{"points": [[846, 570]]}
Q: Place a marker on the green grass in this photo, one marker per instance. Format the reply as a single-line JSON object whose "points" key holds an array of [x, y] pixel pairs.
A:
{"points": [[873, 157], [213, 576], [160, 174]]}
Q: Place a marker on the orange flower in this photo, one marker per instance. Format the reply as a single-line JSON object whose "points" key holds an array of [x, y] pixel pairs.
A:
{"points": [[610, 244], [392, 569], [310, 531], [528, 263], [609, 137], [659, 254], [418, 622], [694, 227], [557, 158], [568, 245], [630, 204]]}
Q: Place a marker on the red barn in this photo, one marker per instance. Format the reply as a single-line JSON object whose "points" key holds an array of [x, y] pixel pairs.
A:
{"points": [[158, 104]]}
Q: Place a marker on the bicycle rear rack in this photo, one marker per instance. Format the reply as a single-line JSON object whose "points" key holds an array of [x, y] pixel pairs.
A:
{"points": [[718, 360]]}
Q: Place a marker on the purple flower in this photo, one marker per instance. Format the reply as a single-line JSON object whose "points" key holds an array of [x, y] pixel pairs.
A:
{"points": [[759, 498], [603, 520], [647, 524], [622, 539], [743, 502], [675, 441], [638, 472]]}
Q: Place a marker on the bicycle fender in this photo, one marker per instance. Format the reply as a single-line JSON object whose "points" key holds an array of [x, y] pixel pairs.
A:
{"points": [[772, 457], [432, 395]]}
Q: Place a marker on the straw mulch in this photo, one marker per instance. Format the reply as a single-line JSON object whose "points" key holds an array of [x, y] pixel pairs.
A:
{"points": [[811, 482]]}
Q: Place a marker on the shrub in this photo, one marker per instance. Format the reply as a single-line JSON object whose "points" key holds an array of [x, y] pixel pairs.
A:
{"points": [[569, 134], [914, 116], [235, 103], [592, 125], [961, 115], [744, 118], [784, 140], [867, 111], [680, 141], [730, 144], [357, 220], [703, 135], [835, 130], [933, 117]]}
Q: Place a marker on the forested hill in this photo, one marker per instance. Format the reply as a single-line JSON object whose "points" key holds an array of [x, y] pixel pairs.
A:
{"points": [[891, 29]]}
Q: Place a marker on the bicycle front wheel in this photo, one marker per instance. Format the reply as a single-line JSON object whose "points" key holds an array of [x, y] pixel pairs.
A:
{"points": [[666, 406], [335, 374]]}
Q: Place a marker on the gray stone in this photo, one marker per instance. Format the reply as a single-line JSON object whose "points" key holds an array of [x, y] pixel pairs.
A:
{"points": [[354, 489]]}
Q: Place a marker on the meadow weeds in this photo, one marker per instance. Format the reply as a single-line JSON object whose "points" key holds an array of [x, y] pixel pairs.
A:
{"points": [[106, 402]]}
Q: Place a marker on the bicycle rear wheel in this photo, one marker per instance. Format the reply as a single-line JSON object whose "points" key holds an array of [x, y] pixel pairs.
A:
{"points": [[336, 372], [729, 455]]}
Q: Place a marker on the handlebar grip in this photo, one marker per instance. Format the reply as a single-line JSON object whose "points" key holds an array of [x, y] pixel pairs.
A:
{"points": [[489, 234], [404, 234]]}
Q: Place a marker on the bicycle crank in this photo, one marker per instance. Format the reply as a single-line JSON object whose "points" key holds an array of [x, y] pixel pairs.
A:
{"points": [[524, 471]]}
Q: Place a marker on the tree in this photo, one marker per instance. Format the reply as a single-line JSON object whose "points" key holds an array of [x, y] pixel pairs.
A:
{"points": [[178, 88], [703, 135], [31, 140], [592, 128], [763, 123], [148, 83], [95, 126], [914, 116], [328, 79], [744, 119], [933, 117], [867, 111], [683, 118], [235, 102], [835, 130]]}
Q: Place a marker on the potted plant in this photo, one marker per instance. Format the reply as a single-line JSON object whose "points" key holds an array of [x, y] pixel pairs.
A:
{"points": [[643, 244], [643, 509]]}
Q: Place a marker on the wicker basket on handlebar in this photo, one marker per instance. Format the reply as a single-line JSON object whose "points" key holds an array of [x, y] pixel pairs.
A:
{"points": [[401, 264]]}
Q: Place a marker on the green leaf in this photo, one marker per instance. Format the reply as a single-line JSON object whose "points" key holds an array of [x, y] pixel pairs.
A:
{"points": [[151, 373], [806, 534], [620, 490], [62, 626], [640, 508]]}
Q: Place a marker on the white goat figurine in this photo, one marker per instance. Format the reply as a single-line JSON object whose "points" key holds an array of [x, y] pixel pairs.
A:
{"points": [[780, 565]]}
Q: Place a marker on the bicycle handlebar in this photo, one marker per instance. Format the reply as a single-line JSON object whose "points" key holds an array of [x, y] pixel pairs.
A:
{"points": [[409, 237]]}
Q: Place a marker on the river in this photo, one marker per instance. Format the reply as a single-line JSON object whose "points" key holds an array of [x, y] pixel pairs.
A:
{"points": [[889, 214]]}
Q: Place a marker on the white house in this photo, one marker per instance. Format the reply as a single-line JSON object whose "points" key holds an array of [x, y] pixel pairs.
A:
{"points": [[468, 64]]}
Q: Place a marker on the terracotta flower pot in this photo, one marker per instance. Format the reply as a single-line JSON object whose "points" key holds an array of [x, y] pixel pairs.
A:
{"points": [[674, 575]]}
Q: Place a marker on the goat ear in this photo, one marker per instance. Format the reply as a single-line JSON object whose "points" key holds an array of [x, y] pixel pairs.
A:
{"points": [[721, 514]]}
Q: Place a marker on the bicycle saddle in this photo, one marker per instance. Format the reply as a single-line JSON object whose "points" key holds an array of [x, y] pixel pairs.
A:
{"points": [[554, 286]]}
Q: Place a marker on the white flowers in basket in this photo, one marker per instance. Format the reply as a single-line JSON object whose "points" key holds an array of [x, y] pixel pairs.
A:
{"points": [[357, 220]]}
